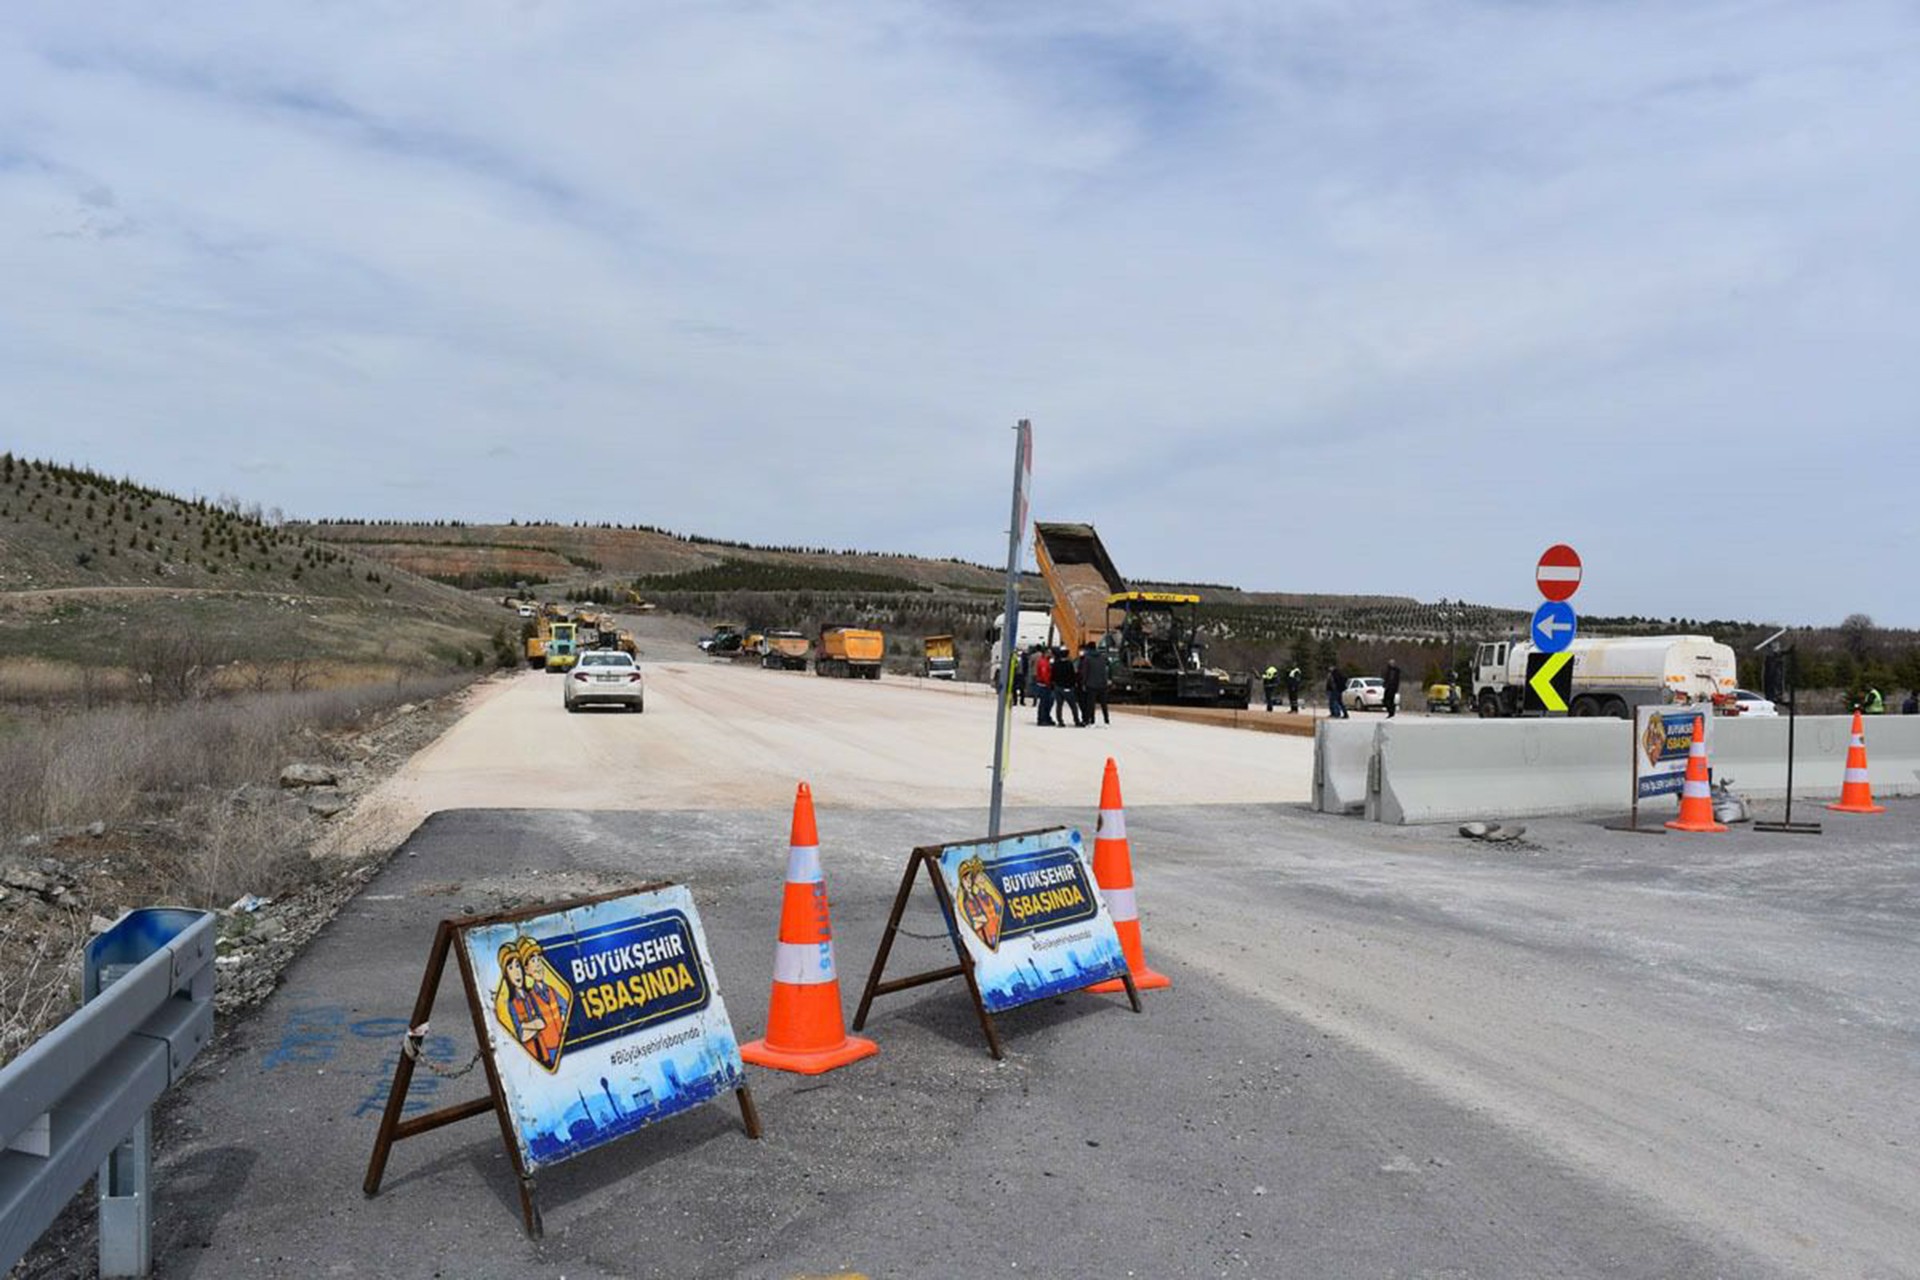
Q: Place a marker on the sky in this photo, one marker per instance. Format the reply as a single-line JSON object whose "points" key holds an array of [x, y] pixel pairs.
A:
{"points": [[1315, 296]]}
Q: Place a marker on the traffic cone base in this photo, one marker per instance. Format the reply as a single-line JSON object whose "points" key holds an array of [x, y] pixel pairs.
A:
{"points": [[806, 1031], [1856, 792], [1144, 979], [806, 1007], [1857, 808], [1696, 794]]}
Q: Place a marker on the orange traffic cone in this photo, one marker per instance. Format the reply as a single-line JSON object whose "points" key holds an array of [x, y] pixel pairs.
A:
{"points": [[1113, 870], [1856, 793], [806, 1031], [1696, 797]]}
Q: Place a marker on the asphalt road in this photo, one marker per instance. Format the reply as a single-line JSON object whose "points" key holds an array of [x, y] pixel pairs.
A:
{"points": [[1387, 1052]]}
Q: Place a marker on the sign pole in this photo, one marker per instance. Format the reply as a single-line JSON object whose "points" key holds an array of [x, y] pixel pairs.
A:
{"points": [[1010, 620], [1633, 769]]}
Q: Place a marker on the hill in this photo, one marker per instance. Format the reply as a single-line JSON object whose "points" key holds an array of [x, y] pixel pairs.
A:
{"points": [[908, 596], [92, 567]]}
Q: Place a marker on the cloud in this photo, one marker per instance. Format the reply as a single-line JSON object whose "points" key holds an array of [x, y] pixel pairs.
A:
{"points": [[1300, 297]]}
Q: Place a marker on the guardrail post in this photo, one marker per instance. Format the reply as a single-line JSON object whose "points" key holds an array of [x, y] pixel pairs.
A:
{"points": [[126, 1215], [126, 1212]]}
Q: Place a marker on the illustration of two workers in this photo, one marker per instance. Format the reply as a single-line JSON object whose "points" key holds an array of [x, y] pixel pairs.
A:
{"points": [[532, 1001]]}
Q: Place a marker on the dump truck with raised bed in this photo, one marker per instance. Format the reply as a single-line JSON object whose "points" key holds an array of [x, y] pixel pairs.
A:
{"points": [[850, 651], [1078, 572], [1152, 639], [942, 662], [786, 651]]}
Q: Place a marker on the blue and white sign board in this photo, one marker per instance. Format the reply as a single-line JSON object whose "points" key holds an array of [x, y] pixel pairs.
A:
{"points": [[1027, 912], [602, 1018], [1662, 738], [1554, 625]]}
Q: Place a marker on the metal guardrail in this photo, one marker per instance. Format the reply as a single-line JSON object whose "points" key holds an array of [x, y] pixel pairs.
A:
{"points": [[76, 1102]]}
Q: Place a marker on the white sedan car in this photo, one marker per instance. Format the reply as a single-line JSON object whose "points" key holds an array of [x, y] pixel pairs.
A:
{"points": [[1365, 693], [606, 677], [1748, 703]]}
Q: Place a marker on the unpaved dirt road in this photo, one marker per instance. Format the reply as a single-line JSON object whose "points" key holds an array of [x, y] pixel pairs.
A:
{"points": [[719, 735]]}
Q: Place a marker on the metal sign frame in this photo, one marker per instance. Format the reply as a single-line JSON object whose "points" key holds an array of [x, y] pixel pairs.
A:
{"points": [[393, 1129], [929, 857]]}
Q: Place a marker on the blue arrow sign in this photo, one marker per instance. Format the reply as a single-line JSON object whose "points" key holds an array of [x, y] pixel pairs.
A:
{"points": [[1553, 626]]}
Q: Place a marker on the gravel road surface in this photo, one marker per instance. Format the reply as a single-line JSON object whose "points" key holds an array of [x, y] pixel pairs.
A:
{"points": [[1387, 1051]]}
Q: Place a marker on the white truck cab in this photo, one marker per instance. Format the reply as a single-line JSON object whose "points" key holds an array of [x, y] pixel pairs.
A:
{"points": [[1035, 626]]}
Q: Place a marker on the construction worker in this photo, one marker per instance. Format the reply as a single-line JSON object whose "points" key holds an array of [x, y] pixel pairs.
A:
{"points": [[1293, 690], [1336, 684], [1042, 679], [1876, 705], [1066, 690], [1391, 678], [1270, 683], [1911, 707], [1094, 678]]}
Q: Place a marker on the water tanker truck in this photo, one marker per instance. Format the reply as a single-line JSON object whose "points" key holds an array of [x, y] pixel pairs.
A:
{"points": [[1613, 674]]}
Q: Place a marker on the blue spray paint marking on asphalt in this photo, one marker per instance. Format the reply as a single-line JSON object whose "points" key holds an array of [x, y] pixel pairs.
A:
{"points": [[316, 1035]]}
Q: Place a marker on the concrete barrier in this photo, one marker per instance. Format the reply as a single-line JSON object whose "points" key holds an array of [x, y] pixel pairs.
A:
{"points": [[1752, 755], [1453, 770], [1342, 758]]}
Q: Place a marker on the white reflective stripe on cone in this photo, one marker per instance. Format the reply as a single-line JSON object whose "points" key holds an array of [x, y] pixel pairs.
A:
{"points": [[1694, 789], [1858, 741], [1112, 825], [803, 963], [803, 864], [1120, 903], [1855, 775]]}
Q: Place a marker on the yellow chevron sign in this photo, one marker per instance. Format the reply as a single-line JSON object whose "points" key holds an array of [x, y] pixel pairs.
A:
{"points": [[1549, 681]]}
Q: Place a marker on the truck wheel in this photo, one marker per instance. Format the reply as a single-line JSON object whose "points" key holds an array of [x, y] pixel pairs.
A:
{"points": [[1617, 708], [1488, 706], [1584, 706]]}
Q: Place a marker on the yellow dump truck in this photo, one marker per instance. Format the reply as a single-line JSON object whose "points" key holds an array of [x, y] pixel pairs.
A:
{"points": [[850, 651], [1075, 565], [941, 661], [786, 651], [537, 645]]}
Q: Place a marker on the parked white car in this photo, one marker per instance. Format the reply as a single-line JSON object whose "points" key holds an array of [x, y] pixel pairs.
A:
{"points": [[606, 677], [1748, 703], [1365, 693]]}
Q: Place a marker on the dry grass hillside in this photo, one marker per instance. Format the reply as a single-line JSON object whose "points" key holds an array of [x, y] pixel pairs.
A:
{"points": [[94, 569], [501, 554]]}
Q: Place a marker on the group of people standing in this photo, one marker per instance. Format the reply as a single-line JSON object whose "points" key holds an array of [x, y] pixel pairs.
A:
{"points": [[1058, 682], [1270, 684]]}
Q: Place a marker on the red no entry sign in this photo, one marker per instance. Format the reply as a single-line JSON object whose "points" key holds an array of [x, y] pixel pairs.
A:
{"points": [[1558, 572]]}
